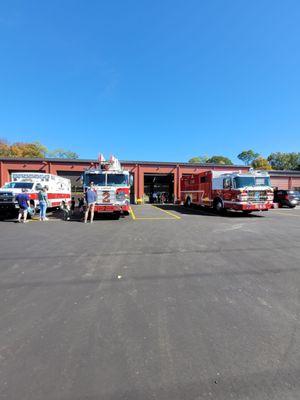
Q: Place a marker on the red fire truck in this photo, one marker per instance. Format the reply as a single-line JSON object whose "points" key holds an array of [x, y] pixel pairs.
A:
{"points": [[112, 184], [245, 191]]}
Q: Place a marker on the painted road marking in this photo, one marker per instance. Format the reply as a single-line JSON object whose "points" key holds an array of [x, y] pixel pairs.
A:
{"points": [[132, 213], [150, 218], [167, 212], [171, 216]]}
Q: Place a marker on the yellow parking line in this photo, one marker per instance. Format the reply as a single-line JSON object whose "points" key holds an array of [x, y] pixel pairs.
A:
{"points": [[134, 217], [132, 213], [157, 218], [167, 212]]}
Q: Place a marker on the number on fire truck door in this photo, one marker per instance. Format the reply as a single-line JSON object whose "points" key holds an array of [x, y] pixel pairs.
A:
{"points": [[106, 197]]}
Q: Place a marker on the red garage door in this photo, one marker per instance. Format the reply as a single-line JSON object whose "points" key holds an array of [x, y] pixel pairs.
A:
{"points": [[296, 183], [280, 182]]}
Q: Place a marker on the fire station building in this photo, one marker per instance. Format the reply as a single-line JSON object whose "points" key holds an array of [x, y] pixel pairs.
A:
{"points": [[148, 176]]}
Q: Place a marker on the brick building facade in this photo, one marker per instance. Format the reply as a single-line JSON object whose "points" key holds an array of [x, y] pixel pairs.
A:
{"points": [[147, 175]]}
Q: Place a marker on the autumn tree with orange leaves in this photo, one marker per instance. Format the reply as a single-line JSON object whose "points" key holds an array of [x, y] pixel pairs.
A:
{"points": [[31, 150]]}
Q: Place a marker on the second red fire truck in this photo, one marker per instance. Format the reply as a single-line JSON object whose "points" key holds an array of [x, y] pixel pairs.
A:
{"points": [[245, 191]]}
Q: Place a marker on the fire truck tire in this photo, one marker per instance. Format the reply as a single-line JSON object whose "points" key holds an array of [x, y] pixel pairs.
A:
{"points": [[247, 211], [116, 215], [218, 206], [188, 202]]}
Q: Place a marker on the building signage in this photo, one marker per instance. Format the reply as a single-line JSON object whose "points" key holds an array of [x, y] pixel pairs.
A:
{"points": [[27, 175]]}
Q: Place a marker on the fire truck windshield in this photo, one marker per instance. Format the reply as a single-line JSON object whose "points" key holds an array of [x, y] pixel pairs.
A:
{"points": [[19, 185], [242, 181], [98, 179], [106, 179], [117, 179], [262, 181]]}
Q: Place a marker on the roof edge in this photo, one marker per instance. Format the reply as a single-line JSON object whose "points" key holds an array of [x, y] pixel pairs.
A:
{"points": [[134, 162]]}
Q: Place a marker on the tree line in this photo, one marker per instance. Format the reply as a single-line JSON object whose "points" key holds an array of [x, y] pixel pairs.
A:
{"points": [[277, 161], [32, 150]]}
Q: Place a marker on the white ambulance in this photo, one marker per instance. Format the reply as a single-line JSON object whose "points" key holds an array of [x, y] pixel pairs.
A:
{"points": [[58, 189]]}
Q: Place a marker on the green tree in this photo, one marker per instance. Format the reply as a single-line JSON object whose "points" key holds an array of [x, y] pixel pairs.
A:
{"points": [[261, 163], [284, 160], [247, 156], [198, 160], [27, 150], [219, 160], [62, 153], [32, 150], [4, 148]]}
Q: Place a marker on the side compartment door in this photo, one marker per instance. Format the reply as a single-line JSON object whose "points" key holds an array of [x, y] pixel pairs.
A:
{"points": [[227, 189]]}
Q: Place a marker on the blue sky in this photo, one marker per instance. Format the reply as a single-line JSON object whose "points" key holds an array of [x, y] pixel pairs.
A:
{"points": [[151, 80]]}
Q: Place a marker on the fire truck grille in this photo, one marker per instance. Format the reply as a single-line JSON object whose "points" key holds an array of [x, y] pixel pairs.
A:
{"points": [[6, 197], [106, 197], [257, 197]]}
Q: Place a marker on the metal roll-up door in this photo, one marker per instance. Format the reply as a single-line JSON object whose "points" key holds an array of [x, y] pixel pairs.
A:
{"points": [[296, 183], [280, 182]]}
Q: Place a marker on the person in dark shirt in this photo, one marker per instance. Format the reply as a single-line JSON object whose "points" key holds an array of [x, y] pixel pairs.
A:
{"points": [[81, 204], [23, 202], [73, 205], [90, 198]]}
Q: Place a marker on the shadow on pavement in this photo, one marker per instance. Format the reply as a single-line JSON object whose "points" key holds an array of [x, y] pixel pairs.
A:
{"points": [[208, 212], [78, 216], [57, 215]]}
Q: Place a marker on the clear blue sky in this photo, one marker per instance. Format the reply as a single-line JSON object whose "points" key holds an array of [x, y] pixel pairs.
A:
{"points": [[151, 80]]}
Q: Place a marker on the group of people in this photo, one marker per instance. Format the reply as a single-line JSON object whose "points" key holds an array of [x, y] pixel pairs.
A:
{"points": [[158, 197], [25, 207], [90, 200]]}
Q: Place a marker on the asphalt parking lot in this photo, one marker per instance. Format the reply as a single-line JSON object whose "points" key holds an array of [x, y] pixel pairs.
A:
{"points": [[166, 303]]}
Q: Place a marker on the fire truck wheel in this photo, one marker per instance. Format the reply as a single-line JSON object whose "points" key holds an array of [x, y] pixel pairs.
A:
{"points": [[188, 202], [218, 206], [247, 211]]}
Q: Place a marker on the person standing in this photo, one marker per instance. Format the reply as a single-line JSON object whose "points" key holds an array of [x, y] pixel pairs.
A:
{"points": [[73, 205], [81, 204], [23, 202], [43, 199], [90, 198]]}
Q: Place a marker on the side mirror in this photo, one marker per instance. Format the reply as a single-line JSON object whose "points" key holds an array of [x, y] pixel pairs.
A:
{"points": [[131, 180]]}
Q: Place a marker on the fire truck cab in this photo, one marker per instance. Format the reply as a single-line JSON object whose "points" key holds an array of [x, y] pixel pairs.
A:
{"points": [[112, 185], [244, 191]]}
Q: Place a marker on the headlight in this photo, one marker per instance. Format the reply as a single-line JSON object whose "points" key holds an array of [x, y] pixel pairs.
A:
{"points": [[120, 196], [242, 196]]}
